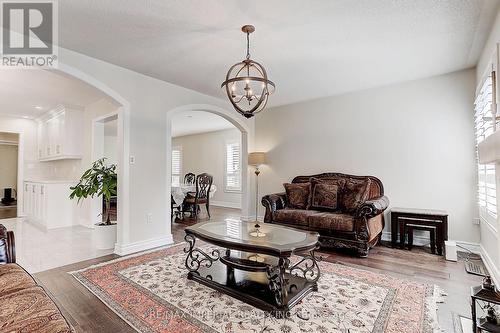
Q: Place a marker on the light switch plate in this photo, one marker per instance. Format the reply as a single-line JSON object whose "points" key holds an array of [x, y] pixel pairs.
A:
{"points": [[132, 159]]}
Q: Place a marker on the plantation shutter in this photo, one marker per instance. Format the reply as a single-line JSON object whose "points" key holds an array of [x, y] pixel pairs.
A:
{"points": [[233, 167], [484, 126], [176, 165]]}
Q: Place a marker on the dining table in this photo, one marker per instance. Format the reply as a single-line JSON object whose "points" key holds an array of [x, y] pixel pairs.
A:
{"points": [[180, 191]]}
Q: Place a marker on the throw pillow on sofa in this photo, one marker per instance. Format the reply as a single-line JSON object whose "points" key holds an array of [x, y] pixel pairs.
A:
{"points": [[298, 195], [356, 192], [325, 193]]}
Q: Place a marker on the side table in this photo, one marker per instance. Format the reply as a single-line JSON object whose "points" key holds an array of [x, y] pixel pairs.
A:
{"points": [[400, 217]]}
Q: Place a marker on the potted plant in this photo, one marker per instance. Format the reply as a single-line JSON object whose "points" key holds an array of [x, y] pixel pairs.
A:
{"points": [[101, 181]]}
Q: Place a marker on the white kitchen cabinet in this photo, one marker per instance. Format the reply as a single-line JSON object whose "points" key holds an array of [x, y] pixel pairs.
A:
{"points": [[60, 134], [47, 203]]}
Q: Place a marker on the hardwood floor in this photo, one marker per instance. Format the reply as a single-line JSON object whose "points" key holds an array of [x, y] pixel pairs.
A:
{"points": [[87, 314]]}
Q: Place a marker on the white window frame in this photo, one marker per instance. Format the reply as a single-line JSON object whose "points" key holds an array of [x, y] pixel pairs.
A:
{"points": [[227, 188], [176, 148], [486, 173]]}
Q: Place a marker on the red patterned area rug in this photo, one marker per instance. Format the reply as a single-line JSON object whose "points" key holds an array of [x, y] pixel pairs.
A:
{"points": [[150, 291]]}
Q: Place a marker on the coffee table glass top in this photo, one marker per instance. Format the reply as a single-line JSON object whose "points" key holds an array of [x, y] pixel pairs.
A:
{"points": [[269, 236]]}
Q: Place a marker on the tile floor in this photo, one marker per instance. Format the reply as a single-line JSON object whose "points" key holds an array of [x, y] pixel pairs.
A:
{"points": [[39, 250]]}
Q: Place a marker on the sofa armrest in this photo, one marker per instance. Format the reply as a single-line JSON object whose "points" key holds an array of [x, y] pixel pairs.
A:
{"points": [[7, 246], [273, 202], [373, 207]]}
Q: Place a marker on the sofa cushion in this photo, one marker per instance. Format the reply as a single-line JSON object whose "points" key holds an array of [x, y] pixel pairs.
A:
{"points": [[31, 310], [325, 193], [331, 221], [293, 216], [298, 195], [354, 194], [14, 278]]}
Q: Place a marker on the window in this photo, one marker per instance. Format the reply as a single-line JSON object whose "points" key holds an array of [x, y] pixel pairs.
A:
{"points": [[484, 126], [233, 167], [176, 165]]}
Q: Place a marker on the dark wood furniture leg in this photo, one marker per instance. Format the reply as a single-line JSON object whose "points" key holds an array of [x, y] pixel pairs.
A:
{"points": [[394, 229], [433, 241], [402, 233], [409, 230], [439, 239], [473, 310]]}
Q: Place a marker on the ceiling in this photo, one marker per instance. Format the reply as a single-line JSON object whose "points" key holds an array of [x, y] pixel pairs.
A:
{"points": [[30, 92], [195, 122], [311, 49]]}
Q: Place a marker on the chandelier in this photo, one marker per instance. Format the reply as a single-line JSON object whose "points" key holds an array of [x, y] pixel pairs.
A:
{"points": [[247, 85]]}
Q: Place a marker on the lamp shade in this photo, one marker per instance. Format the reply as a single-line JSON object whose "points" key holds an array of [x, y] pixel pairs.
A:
{"points": [[257, 158]]}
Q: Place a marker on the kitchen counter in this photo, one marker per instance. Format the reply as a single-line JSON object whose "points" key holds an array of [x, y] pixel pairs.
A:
{"points": [[51, 181]]}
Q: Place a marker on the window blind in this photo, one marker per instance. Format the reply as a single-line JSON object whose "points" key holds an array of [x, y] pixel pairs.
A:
{"points": [[483, 120], [233, 167], [176, 165]]}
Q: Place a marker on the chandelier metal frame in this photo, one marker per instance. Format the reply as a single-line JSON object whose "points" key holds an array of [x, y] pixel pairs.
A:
{"points": [[236, 73]]}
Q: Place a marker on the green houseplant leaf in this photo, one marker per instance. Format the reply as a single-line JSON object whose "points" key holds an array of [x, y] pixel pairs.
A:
{"points": [[99, 180]]}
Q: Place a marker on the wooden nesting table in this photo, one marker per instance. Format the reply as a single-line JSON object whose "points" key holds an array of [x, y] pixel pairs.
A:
{"points": [[400, 217]]}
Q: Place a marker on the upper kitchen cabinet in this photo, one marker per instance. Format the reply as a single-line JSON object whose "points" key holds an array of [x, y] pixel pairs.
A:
{"points": [[60, 134]]}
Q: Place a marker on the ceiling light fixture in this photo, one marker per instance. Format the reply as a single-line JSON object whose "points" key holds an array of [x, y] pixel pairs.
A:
{"points": [[247, 85], [38, 107]]}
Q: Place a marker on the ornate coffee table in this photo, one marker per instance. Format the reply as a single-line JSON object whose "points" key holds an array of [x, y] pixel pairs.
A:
{"points": [[255, 270]]}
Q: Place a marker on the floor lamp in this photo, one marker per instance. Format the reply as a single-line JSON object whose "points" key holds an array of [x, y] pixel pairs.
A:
{"points": [[257, 159]]}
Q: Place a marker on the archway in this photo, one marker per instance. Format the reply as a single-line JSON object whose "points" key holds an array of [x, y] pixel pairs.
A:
{"points": [[245, 131], [123, 143]]}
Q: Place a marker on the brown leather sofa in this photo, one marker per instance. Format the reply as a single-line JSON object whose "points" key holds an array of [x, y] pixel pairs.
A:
{"points": [[350, 223], [25, 306]]}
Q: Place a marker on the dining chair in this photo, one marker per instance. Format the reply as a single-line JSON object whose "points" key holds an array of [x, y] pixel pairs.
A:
{"points": [[202, 194], [189, 178], [175, 209]]}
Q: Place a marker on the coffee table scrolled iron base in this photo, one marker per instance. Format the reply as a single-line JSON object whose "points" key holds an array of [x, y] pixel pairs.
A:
{"points": [[287, 282], [280, 285], [197, 257]]}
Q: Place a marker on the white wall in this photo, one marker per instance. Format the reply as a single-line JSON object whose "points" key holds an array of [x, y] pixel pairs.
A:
{"points": [[8, 160], [205, 152], [86, 212], [111, 141], [417, 137], [489, 49], [26, 129], [8, 166]]}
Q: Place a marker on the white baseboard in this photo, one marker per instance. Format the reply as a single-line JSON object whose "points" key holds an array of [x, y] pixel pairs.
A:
{"points": [[225, 204], [125, 249], [424, 241], [472, 247], [490, 265], [85, 223]]}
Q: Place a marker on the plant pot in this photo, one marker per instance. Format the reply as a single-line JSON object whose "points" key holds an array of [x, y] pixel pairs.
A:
{"points": [[105, 236]]}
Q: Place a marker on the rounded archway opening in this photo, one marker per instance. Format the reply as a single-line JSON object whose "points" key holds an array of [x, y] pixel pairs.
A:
{"points": [[115, 110], [216, 143]]}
